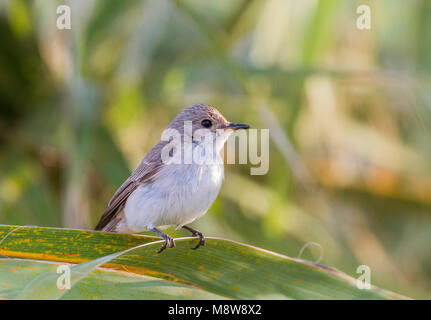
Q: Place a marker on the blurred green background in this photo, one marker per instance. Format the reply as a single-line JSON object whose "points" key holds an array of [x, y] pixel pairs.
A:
{"points": [[349, 113]]}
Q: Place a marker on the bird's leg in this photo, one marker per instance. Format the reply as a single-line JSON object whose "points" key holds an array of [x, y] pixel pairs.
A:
{"points": [[169, 241], [196, 233]]}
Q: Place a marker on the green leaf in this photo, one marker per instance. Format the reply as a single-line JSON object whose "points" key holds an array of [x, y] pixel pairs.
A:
{"points": [[222, 267], [100, 284]]}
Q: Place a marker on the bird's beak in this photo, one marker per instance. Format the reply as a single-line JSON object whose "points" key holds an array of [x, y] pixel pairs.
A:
{"points": [[236, 126]]}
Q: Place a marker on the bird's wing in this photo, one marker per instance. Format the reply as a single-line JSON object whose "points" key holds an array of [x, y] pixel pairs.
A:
{"points": [[149, 166]]}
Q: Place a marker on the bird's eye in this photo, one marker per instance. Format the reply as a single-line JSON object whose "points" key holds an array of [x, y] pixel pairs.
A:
{"points": [[206, 123]]}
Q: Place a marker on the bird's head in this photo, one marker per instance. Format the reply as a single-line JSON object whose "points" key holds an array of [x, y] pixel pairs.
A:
{"points": [[200, 120]]}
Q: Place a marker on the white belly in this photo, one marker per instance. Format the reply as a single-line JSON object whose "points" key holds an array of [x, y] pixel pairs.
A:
{"points": [[180, 194]]}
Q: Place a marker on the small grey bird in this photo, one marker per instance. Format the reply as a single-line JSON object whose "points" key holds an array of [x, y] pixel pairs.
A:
{"points": [[162, 193]]}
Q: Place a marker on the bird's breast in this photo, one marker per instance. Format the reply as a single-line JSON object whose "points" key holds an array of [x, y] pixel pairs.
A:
{"points": [[177, 195], [195, 186]]}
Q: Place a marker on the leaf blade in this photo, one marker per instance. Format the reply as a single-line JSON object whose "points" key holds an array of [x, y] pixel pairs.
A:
{"points": [[222, 267]]}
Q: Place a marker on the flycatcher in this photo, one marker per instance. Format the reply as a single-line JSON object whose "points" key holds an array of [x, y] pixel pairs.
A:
{"points": [[167, 190]]}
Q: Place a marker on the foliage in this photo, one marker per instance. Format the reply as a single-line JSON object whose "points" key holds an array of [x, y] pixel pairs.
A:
{"points": [[129, 263]]}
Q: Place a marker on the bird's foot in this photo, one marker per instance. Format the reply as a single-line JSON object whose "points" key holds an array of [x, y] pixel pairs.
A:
{"points": [[169, 243], [201, 240], [196, 233]]}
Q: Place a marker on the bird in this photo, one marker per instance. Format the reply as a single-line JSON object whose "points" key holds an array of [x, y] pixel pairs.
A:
{"points": [[167, 190]]}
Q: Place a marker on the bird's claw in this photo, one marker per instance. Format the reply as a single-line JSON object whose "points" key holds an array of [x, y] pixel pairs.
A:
{"points": [[201, 240], [169, 243]]}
